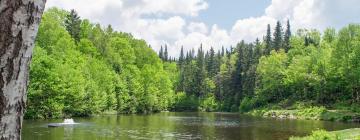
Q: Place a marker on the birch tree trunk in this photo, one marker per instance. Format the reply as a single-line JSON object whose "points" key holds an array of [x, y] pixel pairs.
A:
{"points": [[19, 21]]}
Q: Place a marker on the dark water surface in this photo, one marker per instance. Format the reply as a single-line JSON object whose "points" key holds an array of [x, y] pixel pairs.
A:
{"points": [[170, 125]]}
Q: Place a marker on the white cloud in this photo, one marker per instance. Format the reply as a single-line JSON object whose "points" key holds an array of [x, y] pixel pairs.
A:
{"points": [[217, 37], [165, 23], [198, 27], [251, 28], [162, 22]]}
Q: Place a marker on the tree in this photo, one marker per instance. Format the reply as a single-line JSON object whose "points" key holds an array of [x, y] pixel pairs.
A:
{"points": [[211, 64], [237, 75], [181, 57], [287, 36], [200, 73], [268, 40], [73, 25], [271, 70], [161, 53], [166, 54], [222, 51], [19, 23], [278, 36]]}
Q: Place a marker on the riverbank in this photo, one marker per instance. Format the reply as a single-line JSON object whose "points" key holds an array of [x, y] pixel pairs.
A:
{"points": [[310, 113], [348, 134]]}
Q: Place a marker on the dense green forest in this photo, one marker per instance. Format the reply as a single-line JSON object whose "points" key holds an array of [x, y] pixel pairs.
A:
{"points": [[80, 68]]}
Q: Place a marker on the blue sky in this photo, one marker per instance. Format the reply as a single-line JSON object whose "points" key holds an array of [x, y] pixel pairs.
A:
{"points": [[213, 23], [226, 12]]}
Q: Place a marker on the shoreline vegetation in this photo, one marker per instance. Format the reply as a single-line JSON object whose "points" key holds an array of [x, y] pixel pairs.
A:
{"points": [[308, 113], [348, 134], [82, 69]]}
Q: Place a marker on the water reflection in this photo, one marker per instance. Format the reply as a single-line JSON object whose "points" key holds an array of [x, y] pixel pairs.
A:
{"points": [[177, 126]]}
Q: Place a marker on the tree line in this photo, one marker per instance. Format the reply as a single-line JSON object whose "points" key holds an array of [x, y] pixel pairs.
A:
{"points": [[80, 68], [283, 69]]}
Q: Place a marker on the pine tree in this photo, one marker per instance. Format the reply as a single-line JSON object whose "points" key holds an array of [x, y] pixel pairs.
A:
{"points": [[161, 53], [278, 36], [237, 78], [211, 63], [166, 55], [218, 62], [73, 25], [257, 52], [181, 57], [287, 37], [200, 74], [268, 41], [206, 61], [222, 51]]}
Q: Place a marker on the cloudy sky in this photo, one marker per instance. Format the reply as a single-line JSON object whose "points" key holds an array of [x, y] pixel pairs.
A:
{"points": [[214, 23]]}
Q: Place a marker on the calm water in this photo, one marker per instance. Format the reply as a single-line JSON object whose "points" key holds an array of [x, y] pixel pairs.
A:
{"points": [[176, 126]]}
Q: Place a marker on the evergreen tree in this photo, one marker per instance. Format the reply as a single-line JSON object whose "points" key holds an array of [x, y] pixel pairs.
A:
{"points": [[257, 52], [222, 51], [278, 36], [237, 78], [268, 41], [287, 37], [181, 57], [166, 55], [200, 73], [211, 63], [161, 53], [73, 25], [206, 62]]}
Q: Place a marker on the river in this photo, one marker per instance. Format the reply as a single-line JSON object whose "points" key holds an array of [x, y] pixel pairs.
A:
{"points": [[172, 125]]}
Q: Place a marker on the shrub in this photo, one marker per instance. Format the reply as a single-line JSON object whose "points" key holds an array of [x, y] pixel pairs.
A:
{"points": [[246, 105], [318, 135], [311, 112], [208, 104]]}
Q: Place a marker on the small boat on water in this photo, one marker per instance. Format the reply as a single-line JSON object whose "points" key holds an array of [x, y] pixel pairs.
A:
{"points": [[66, 122]]}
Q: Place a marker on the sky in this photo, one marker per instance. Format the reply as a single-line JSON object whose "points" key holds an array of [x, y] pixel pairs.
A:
{"points": [[212, 23]]}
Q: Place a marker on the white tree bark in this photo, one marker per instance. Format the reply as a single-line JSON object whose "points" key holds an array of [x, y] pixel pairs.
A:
{"points": [[19, 21]]}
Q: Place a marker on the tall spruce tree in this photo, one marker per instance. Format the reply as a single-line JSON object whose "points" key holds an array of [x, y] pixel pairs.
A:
{"points": [[268, 41], [222, 51], [161, 53], [73, 25], [287, 37], [211, 63], [278, 36], [181, 57], [200, 73], [237, 76], [166, 54], [257, 52]]}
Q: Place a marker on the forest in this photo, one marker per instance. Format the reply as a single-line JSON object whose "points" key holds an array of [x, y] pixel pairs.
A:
{"points": [[81, 68]]}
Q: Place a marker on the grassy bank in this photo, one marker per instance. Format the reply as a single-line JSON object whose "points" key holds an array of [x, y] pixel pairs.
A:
{"points": [[348, 134], [308, 113]]}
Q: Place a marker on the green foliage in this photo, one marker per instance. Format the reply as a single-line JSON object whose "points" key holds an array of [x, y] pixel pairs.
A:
{"points": [[80, 68], [348, 134], [208, 104], [314, 113], [185, 102], [319, 135], [72, 24], [104, 71], [271, 70], [247, 104]]}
